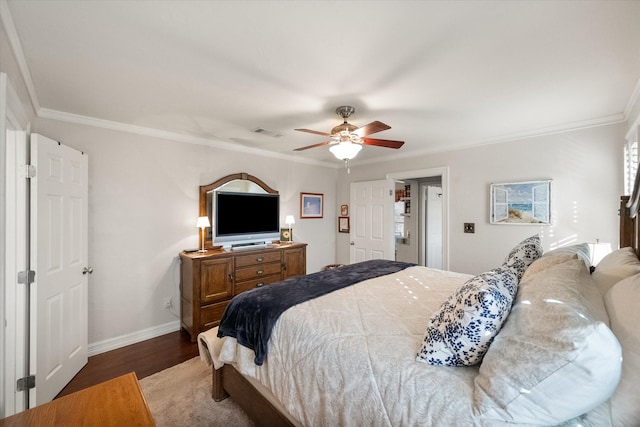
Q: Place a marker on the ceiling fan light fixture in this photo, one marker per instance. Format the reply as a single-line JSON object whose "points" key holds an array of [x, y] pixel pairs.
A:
{"points": [[345, 150], [345, 128]]}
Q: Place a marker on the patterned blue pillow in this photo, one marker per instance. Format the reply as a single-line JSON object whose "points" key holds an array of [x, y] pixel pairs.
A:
{"points": [[460, 332], [522, 255]]}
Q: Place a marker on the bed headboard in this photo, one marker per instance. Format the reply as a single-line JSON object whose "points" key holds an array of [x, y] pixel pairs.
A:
{"points": [[629, 219]]}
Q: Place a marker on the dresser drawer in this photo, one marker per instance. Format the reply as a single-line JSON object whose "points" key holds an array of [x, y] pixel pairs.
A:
{"points": [[255, 283], [257, 271], [258, 258], [211, 314]]}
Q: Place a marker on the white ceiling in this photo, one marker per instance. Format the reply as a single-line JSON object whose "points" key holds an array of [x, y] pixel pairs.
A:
{"points": [[442, 74]]}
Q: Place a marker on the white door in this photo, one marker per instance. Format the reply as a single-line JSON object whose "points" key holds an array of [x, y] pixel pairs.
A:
{"points": [[371, 235], [58, 256], [434, 226]]}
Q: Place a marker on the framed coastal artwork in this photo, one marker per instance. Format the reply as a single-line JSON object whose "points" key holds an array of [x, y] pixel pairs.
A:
{"points": [[527, 202]]}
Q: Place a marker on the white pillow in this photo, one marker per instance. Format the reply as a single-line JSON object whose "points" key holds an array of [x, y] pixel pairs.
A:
{"points": [[614, 267], [460, 332], [545, 262], [554, 358], [580, 250], [622, 304]]}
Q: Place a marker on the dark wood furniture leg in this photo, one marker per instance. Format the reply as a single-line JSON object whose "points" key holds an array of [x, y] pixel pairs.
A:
{"points": [[228, 382]]}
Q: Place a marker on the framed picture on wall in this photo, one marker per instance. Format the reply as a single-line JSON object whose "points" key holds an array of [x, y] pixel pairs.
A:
{"points": [[344, 210], [527, 202], [311, 205], [343, 224], [286, 234]]}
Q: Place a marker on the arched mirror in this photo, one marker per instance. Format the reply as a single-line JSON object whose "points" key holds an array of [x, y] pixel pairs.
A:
{"points": [[238, 183]]}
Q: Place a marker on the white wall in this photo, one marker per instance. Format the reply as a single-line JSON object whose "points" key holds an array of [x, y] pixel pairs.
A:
{"points": [[586, 168], [143, 206]]}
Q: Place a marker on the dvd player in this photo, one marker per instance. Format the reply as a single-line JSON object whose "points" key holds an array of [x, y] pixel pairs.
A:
{"points": [[252, 245]]}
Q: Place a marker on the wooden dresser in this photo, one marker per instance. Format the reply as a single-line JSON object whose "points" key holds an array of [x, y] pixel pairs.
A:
{"points": [[209, 280]]}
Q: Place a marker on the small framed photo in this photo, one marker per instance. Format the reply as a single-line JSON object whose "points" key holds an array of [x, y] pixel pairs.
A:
{"points": [[344, 210], [343, 224], [311, 205], [527, 202], [286, 235]]}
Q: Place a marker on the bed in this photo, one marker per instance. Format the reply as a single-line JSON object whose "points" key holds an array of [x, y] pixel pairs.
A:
{"points": [[540, 340]]}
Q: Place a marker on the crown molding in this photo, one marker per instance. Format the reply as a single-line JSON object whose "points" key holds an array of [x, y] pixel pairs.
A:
{"points": [[14, 42], [534, 133], [46, 113]]}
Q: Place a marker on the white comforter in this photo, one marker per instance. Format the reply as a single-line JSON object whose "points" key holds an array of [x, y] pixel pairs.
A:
{"points": [[348, 358]]}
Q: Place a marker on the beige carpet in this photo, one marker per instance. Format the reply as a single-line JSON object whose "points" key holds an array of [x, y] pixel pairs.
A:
{"points": [[181, 396]]}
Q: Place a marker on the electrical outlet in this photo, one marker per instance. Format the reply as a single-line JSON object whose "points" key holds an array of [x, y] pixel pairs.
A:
{"points": [[469, 227], [168, 303]]}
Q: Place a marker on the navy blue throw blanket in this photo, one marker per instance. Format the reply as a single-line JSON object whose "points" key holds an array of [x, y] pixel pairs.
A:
{"points": [[251, 315]]}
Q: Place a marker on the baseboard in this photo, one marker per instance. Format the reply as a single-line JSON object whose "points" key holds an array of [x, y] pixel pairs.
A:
{"points": [[132, 338]]}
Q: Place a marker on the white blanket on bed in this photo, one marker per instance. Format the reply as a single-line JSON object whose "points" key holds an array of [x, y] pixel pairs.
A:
{"points": [[348, 358]]}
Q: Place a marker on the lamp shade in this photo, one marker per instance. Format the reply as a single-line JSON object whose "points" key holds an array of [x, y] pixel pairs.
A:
{"points": [[289, 220], [598, 251], [203, 222], [345, 150]]}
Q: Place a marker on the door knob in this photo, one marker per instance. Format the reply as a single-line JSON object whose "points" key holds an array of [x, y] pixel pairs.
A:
{"points": [[87, 270]]}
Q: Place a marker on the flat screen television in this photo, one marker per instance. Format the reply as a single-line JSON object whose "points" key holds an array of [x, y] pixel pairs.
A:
{"points": [[245, 217]]}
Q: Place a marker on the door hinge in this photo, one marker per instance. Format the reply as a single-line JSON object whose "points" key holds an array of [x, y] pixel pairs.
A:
{"points": [[27, 383], [26, 277], [28, 171]]}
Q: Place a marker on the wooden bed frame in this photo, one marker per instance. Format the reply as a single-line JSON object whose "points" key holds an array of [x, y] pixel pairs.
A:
{"points": [[629, 220], [227, 381]]}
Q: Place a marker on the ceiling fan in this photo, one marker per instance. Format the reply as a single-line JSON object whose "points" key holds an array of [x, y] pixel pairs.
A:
{"points": [[347, 139]]}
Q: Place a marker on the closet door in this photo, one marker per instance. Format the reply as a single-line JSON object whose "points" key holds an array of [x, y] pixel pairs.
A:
{"points": [[58, 239]]}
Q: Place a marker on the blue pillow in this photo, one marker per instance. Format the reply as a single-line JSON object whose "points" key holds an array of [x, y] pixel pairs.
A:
{"points": [[460, 332], [522, 255]]}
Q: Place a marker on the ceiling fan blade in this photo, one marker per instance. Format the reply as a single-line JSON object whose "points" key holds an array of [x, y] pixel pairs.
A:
{"points": [[312, 146], [388, 143], [317, 132], [372, 127]]}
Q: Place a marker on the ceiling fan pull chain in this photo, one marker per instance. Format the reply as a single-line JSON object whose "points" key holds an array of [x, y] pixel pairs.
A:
{"points": [[346, 163]]}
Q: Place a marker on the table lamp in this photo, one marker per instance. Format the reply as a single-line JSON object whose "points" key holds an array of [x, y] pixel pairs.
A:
{"points": [[289, 220], [203, 222]]}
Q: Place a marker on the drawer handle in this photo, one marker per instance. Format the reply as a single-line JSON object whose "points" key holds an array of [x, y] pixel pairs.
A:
{"points": [[259, 271], [259, 285], [259, 259]]}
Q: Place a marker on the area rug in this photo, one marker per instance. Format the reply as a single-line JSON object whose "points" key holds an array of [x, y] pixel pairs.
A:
{"points": [[181, 396]]}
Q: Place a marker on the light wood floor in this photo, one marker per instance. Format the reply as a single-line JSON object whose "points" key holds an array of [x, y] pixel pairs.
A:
{"points": [[144, 358]]}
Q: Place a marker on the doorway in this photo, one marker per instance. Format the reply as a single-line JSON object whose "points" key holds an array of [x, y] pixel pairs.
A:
{"points": [[14, 128], [424, 233]]}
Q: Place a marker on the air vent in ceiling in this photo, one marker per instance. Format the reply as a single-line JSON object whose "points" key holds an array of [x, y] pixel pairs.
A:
{"points": [[267, 132]]}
